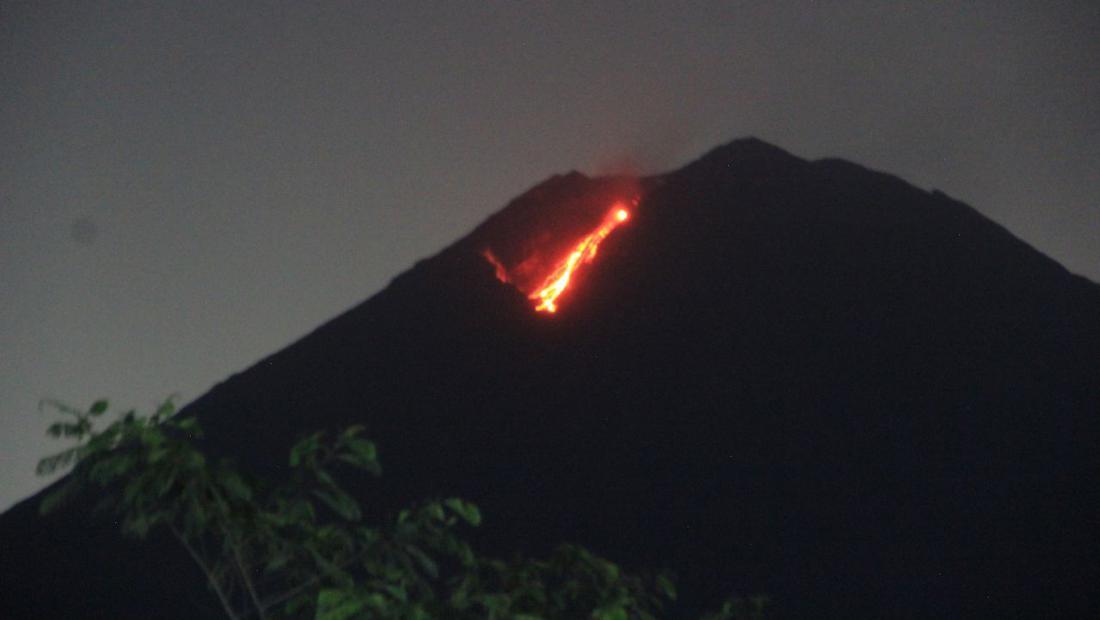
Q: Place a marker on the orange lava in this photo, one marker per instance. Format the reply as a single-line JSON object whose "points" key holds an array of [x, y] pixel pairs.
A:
{"points": [[558, 281], [501, 272]]}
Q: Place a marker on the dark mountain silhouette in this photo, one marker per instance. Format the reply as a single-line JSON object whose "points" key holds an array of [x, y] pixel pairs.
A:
{"points": [[806, 379]]}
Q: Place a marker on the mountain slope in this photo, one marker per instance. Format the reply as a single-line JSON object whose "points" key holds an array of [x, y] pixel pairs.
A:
{"points": [[800, 378]]}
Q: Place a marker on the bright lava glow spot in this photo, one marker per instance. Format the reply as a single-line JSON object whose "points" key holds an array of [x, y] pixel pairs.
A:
{"points": [[555, 284]]}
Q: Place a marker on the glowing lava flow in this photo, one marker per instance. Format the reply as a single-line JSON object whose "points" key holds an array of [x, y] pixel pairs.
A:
{"points": [[558, 280], [502, 273]]}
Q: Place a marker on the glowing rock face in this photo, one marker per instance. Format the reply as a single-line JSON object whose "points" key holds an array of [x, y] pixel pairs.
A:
{"points": [[557, 282]]}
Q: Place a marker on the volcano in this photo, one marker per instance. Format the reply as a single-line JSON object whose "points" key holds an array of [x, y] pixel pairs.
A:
{"points": [[800, 378]]}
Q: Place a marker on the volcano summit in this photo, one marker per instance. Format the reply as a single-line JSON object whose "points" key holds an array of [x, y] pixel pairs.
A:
{"points": [[800, 378]]}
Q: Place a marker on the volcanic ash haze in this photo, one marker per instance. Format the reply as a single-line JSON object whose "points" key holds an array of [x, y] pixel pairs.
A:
{"points": [[805, 379]]}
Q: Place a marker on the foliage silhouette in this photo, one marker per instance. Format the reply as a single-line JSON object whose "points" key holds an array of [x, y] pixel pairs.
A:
{"points": [[299, 549]]}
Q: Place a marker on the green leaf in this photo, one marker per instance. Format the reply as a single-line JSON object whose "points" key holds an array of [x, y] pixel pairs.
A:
{"points": [[666, 587], [156, 454], [353, 431], [468, 511], [235, 486], [59, 496], [188, 424], [427, 564], [326, 479], [466, 555], [337, 604], [60, 407], [376, 602], [614, 612], [396, 592], [276, 561], [340, 503], [153, 437], [165, 409], [300, 512], [98, 407], [496, 603], [110, 468], [194, 460], [138, 524], [50, 464], [363, 447], [305, 449], [435, 511], [361, 453], [167, 483], [73, 430]]}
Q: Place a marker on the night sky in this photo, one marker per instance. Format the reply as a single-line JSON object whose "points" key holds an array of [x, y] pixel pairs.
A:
{"points": [[187, 187]]}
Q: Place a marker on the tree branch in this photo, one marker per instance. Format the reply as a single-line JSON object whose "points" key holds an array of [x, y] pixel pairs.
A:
{"points": [[210, 577]]}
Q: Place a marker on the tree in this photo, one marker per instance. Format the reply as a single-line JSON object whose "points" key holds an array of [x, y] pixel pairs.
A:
{"points": [[299, 548]]}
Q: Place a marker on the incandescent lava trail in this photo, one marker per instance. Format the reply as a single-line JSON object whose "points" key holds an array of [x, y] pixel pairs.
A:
{"points": [[555, 284], [546, 287]]}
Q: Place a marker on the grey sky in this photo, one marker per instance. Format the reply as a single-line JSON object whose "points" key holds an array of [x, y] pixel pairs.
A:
{"points": [[186, 187]]}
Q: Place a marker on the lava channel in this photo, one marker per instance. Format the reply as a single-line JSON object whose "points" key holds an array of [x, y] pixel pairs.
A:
{"points": [[546, 294]]}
